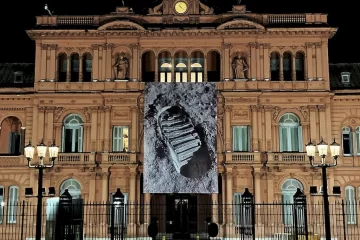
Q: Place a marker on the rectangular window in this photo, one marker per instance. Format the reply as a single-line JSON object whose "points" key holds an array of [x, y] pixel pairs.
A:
{"points": [[241, 138], [120, 139], [237, 208], [12, 204], [291, 139], [347, 143], [18, 77], [350, 205]]}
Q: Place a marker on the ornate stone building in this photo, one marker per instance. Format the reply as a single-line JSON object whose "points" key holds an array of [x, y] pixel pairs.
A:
{"points": [[275, 93]]}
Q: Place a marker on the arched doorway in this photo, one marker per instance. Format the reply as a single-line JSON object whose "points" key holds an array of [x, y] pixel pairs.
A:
{"points": [[11, 136], [288, 190]]}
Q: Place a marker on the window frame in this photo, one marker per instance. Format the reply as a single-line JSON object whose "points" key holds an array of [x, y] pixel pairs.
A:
{"points": [[121, 148], [18, 74], [351, 204], [248, 132]]}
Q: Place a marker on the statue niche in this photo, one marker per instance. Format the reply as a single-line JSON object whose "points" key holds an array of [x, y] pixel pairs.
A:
{"points": [[239, 66], [121, 67]]}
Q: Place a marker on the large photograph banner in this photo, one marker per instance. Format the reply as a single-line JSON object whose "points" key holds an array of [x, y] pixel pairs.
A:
{"points": [[180, 138]]}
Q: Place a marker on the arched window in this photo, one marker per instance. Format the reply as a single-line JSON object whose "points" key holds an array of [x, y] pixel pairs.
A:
{"points": [[72, 135], [74, 67], [350, 205], [87, 67], [165, 72], [12, 204], [287, 66], [347, 141], [73, 186], [181, 72], [300, 66], [62, 67], [275, 66], [288, 191], [290, 133]]}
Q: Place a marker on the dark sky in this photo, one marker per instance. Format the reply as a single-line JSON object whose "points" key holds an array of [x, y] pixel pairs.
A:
{"points": [[17, 16]]}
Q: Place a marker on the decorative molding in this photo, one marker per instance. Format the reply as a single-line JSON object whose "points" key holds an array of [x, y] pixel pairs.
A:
{"points": [[240, 100], [304, 111], [240, 24], [241, 114], [121, 115], [40, 34], [121, 100], [121, 25]]}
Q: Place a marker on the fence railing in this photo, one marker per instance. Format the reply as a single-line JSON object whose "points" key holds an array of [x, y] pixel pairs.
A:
{"points": [[181, 220]]}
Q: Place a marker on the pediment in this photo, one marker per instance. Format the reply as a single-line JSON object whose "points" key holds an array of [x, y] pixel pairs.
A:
{"points": [[121, 25], [240, 24]]}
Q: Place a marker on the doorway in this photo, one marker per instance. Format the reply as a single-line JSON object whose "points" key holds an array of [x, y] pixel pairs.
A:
{"points": [[181, 215]]}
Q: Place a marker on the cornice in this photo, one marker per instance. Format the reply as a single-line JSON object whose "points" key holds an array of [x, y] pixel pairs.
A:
{"points": [[295, 32]]}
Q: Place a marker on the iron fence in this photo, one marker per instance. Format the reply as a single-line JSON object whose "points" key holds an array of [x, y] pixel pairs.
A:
{"points": [[182, 220]]}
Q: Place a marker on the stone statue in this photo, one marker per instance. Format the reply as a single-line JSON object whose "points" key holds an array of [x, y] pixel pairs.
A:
{"points": [[239, 65], [121, 67]]}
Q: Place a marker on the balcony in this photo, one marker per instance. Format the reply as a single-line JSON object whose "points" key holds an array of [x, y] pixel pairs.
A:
{"points": [[13, 161], [257, 158]]}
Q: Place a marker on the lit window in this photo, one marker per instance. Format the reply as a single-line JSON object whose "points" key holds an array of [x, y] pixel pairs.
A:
{"points": [[18, 77]]}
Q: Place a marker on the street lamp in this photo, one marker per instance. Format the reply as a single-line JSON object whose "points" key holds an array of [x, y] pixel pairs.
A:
{"points": [[29, 154], [323, 150]]}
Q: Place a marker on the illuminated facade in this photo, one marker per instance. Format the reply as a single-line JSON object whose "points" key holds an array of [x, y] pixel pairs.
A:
{"points": [[92, 104]]}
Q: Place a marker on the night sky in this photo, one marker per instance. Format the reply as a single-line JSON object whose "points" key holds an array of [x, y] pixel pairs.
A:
{"points": [[18, 16]]}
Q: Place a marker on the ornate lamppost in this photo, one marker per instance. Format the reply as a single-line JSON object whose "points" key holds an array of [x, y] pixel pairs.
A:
{"points": [[41, 152], [322, 148]]}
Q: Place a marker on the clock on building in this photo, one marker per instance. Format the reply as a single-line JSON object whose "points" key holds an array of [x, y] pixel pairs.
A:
{"points": [[181, 7]]}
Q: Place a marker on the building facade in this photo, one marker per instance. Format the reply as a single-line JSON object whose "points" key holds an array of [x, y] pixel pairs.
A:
{"points": [[275, 93]]}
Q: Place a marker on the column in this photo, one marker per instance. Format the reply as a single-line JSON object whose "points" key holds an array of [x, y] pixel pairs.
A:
{"points": [[189, 69], [135, 62], [81, 62], [252, 60], [319, 67], [57, 136], [261, 132], [229, 200], [102, 65], [266, 61], [40, 124], [147, 208], [95, 62], [258, 61], [53, 62], [38, 52], [132, 200], [257, 182], [215, 207], [134, 127], [309, 62], [322, 122], [156, 69], [205, 69], [329, 136], [313, 129], [49, 125], [254, 125], [68, 73], [226, 61], [108, 61], [268, 127], [107, 137], [105, 186], [281, 67], [325, 61], [261, 64], [172, 69], [93, 134], [43, 61], [227, 130], [48, 62], [293, 67]]}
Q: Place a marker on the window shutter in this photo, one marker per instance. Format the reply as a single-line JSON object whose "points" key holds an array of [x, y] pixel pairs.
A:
{"points": [[63, 139], [80, 140], [12, 139], [287, 200], [236, 208], [12, 204], [300, 138], [2, 194], [282, 139], [357, 141], [249, 139], [351, 140]]}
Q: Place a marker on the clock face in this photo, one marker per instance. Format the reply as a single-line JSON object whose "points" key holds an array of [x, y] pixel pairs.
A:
{"points": [[181, 7]]}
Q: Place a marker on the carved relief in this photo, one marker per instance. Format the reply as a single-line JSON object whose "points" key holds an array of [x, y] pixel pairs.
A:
{"points": [[304, 111], [241, 100], [121, 115], [276, 113], [85, 111], [241, 114]]}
